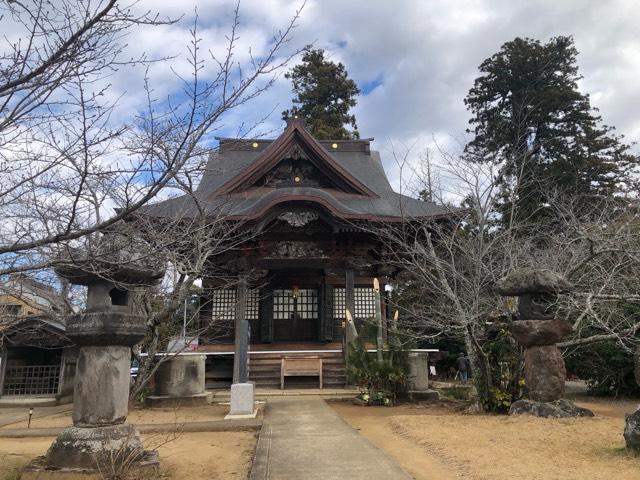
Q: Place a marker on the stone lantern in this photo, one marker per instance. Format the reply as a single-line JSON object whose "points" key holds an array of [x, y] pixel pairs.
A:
{"points": [[538, 331], [105, 332]]}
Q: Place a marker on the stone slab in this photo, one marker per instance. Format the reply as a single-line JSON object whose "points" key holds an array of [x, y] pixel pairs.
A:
{"points": [[424, 396], [242, 416], [242, 399], [155, 401]]}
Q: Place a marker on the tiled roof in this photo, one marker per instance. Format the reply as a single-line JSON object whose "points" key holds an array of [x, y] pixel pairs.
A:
{"points": [[353, 158]]}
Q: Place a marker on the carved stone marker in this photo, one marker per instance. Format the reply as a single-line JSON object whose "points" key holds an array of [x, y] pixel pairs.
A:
{"points": [[538, 331], [418, 379], [105, 332]]}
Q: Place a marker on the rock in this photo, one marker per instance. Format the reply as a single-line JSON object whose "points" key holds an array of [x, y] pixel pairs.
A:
{"points": [[557, 409], [632, 430], [360, 402], [530, 280], [544, 373], [530, 333]]}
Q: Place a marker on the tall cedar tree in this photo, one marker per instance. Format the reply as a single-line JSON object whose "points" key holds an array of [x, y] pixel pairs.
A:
{"points": [[530, 115], [324, 95]]}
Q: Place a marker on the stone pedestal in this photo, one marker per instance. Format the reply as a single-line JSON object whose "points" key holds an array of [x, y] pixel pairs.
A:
{"points": [[242, 401], [101, 393], [180, 381], [544, 373], [418, 380]]}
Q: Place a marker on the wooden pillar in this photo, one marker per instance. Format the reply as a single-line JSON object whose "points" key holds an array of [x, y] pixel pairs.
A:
{"points": [[241, 351]]}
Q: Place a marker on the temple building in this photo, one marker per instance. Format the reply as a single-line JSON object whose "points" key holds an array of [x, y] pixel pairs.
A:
{"points": [[312, 207]]}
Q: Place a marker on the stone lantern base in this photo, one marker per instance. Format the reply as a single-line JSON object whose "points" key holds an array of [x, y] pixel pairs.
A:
{"points": [[97, 447], [147, 467], [87, 453]]}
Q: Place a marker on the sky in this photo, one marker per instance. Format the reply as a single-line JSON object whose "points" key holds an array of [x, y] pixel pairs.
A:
{"points": [[414, 60]]}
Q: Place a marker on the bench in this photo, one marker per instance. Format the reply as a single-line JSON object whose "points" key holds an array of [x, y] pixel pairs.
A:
{"points": [[300, 367]]}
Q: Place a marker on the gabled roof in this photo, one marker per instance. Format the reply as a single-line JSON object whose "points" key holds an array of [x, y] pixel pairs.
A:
{"points": [[360, 188], [295, 135]]}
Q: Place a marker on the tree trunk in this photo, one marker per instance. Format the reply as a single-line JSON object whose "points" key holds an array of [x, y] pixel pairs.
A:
{"points": [[481, 368]]}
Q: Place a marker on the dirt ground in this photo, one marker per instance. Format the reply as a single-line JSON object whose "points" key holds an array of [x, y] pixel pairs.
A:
{"points": [[138, 416], [444, 443], [196, 456]]}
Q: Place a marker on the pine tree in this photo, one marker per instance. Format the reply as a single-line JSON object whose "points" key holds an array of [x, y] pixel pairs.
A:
{"points": [[529, 115], [323, 97]]}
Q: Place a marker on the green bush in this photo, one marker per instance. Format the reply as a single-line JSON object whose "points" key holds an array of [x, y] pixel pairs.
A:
{"points": [[606, 367], [505, 361], [380, 383]]}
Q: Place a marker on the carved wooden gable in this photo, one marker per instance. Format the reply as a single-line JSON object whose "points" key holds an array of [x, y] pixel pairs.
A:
{"points": [[296, 170], [296, 159]]}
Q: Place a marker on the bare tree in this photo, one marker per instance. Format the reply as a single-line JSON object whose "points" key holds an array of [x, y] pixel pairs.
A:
{"points": [[73, 161], [77, 165], [452, 265]]}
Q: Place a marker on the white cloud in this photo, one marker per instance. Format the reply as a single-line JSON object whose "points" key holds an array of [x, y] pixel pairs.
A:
{"points": [[425, 53]]}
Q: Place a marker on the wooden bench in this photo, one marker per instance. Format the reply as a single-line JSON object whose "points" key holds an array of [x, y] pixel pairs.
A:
{"points": [[300, 367]]}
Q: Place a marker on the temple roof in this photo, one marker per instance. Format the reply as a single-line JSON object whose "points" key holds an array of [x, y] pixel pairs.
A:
{"points": [[245, 179]]}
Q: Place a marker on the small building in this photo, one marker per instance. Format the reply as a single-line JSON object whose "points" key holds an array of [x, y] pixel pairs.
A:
{"points": [[313, 207], [36, 358]]}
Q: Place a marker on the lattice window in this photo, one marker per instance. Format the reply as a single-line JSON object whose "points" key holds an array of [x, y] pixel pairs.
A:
{"points": [[223, 304], [32, 380], [308, 303], [365, 302], [253, 304], [339, 302], [283, 304]]}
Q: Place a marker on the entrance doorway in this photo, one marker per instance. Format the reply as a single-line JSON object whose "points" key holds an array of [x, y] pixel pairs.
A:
{"points": [[295, 314]]}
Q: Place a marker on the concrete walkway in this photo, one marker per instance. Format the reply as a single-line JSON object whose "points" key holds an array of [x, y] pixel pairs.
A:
{"points": [[303, 438]]}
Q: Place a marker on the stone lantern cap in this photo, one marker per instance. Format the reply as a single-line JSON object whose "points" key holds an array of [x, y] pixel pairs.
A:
{"points": [[117, 259], [526, 281]]}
